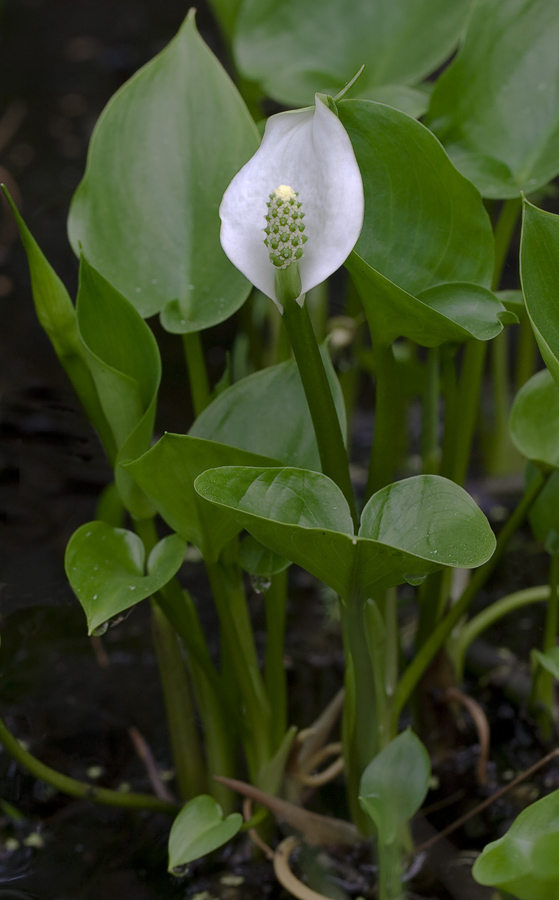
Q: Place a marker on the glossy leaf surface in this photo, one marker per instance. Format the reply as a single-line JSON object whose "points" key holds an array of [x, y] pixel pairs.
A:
{"points": [[408, 529], [106, 566], [495, 108], [267, 413], [124, 362], [534, 420], [525, 861], [395, 784], [198, 829], [423, 263], [539, 270], [167, 473], [163, 152], [294, 49]]}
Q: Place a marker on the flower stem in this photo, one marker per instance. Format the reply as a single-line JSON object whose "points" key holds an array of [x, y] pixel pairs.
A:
{"points": [[80, 789], [430, 420], [436, 640], [542, 689], [457, 450], [331, 448]]}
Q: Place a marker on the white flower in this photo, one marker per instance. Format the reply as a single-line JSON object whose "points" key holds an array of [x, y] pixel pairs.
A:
{"points": [[309, 151]]}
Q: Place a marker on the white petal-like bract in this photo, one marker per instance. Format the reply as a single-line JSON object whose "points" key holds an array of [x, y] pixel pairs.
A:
{"points": [[309, 150]]}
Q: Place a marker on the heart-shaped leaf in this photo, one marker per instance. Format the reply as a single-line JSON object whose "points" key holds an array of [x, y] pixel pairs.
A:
{"points": [[167, 473], [146, 213], [539, 270], [425, 235], [267, 413], [395, 784], [408, 529], [124, 361], [198, 829], [295, 49], [534, 420], [524, 862], [495, 108], [105, 567]]}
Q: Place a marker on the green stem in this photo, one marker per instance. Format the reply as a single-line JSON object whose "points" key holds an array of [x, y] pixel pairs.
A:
{"points": [[274, 667], [434, 643], [391, 858], [360, 731], [181, 719], [543, 692], [430, 419], [237, 641], [331, 448], [80, 789], [387, 417], [525, 357], [197, 372], [455, 465], [487, 617], [503, 233]]}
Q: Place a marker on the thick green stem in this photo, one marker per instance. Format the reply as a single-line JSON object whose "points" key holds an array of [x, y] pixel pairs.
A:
{"points": [[274, 667], [197, 372], [387, 418], [391, 859], [430, 419], [360, 730], [434, 643], [181, 719], [503, 234], [525, 357], [455, 461], [80, 789], [237, 642], [331, 448]]}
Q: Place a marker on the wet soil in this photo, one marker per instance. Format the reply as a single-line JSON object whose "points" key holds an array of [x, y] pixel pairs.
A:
{"points": [[73, 701]]}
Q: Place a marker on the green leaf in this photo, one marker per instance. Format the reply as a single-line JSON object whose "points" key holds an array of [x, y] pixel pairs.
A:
{"points": [[424, 261], [259, 560], [539, 271], [123, 359], [198, 829], [544, 512], [167, 473], [524, 861], [146, 213], [395, 784], [57, 316], [534, 420], [550, 662], [267, 413], [408, 529], [495, 108], [294, 49], [105, 567]]}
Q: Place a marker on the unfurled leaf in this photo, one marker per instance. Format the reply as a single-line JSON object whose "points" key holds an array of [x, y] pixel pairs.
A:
{"points": [[162, 153], [539, 270], [408, 529], [395, 784], [495, 107], [534, 420], [198, 829], [107, 570], [293, 49], [525, 861], [267, 413]]}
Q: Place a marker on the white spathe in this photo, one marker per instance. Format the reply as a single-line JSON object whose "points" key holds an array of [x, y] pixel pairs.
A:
{"points": [[309, 150]]}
